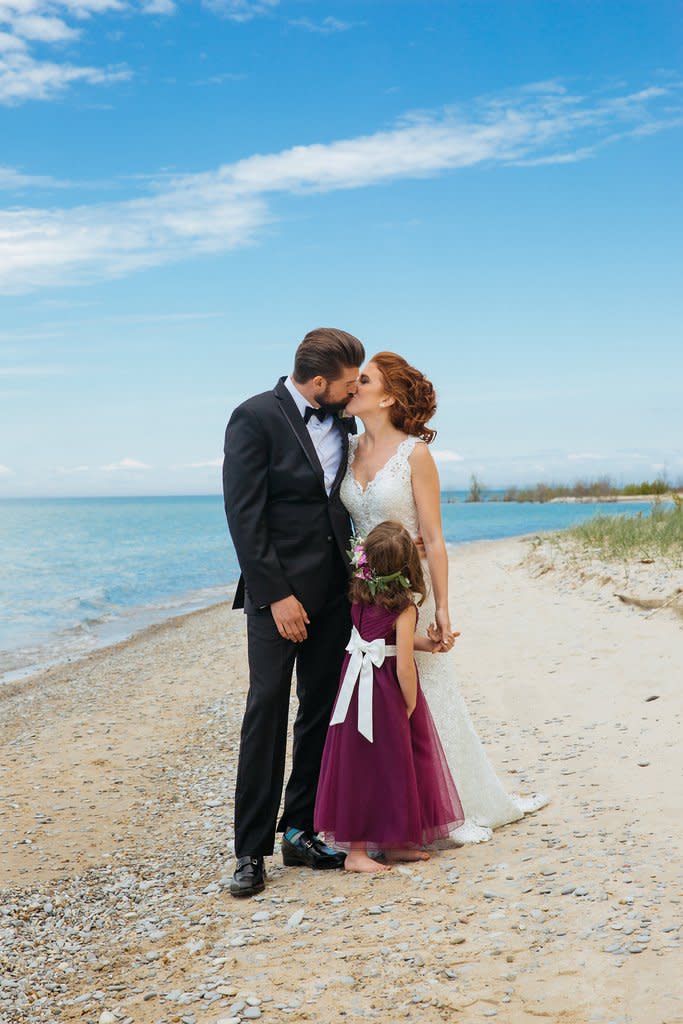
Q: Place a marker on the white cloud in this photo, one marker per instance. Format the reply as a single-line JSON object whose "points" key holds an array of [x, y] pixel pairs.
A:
{"points": [[44, 28], [208, 464], [6, 471], [221, 209], [23, 23], [114, 467], [12, 179], [10, 42], [24, 78], [585, 457], [444, 455], [241, 10], [325, 27], [158, 7]]}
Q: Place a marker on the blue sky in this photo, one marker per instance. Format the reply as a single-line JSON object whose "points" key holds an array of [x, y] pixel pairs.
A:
{"points": [[490, 188]]}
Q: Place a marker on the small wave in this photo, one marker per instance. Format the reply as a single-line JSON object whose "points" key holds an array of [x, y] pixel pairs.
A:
{"points": [[94, 632], [97, 599]]}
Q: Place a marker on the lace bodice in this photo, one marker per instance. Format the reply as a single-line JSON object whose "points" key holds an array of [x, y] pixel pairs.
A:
{"points": [[389, 495]]}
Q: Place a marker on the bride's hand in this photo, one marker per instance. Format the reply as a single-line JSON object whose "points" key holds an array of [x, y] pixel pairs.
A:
{"points": [[443, 630]]}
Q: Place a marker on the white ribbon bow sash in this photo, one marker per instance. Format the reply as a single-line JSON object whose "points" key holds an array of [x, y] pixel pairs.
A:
{"points": [[365, 655]]}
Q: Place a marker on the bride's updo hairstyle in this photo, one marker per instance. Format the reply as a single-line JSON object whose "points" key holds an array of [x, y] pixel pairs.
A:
{"points": [[414, 396]]}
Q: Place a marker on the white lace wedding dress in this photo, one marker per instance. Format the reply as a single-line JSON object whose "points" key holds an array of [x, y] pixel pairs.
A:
{"points": [[486, 803]]}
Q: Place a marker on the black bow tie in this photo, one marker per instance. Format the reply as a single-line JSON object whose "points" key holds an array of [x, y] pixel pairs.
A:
{"points": [[310, 411]]}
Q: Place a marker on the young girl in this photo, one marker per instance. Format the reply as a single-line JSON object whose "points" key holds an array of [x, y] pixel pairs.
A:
{"points": [[384, 781]]}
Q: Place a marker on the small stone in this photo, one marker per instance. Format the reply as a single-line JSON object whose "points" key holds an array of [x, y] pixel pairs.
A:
{"points": [[107, 1018], [149, 995], [228, 1020], [490, 1013], [635, 949], [296, 919], [655, 696], [251, 1013], [568, 890], [261, 915], [580, 892], [643, 764], [457, 940]]}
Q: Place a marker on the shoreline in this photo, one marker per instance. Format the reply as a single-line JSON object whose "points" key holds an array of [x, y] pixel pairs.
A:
{"points": [[117, 631], [116, 780], [14, 677], [42, 640]]}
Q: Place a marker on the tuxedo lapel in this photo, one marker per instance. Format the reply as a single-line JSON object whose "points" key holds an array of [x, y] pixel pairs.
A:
{"points": [[345, 427], [294, 419]]}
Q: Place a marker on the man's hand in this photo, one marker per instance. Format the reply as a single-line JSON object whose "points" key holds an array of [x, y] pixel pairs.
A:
{"points": [[289, 615]]}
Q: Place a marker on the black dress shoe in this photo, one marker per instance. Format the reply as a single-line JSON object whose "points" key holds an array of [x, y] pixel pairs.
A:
{"points": [[309, 851], [249, 877]]}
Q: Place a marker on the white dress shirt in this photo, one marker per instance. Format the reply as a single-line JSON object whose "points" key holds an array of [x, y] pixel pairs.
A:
{"points": [[325, 436]]}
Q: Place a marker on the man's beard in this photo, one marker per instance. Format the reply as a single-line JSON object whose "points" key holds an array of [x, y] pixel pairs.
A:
{"points": [[323, 400]]}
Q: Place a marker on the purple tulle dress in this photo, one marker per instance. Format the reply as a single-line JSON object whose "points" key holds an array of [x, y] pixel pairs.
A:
{"points": [[393, 791]]}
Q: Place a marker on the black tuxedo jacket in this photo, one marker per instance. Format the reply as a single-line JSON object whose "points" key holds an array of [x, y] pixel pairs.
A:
{"points": [[287, 533]]}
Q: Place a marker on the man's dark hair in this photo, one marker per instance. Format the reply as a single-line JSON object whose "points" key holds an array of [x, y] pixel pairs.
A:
{"points": [[326, 352]]}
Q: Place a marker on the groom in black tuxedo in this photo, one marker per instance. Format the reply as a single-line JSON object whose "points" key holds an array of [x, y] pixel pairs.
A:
{"points": [[285, 457]]}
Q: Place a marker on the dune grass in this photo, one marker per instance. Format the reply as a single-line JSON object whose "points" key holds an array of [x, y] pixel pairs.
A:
{"points": [[626, 538], [602, 488]]}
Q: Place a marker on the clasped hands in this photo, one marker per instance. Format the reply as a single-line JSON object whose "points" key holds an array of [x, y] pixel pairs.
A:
{"points": [[439, 645], [441, 635], [291, 619]]}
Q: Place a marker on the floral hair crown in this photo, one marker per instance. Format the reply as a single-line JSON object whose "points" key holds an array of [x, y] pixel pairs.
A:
{"points": [[362, 571]]}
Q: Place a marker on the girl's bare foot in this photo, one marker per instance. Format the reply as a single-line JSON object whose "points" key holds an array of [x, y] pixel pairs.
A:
{"points": [[358, 860], [392, 855]]}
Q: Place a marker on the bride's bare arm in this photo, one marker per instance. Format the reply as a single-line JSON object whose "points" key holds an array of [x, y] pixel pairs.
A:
{"points": [[427, 494]]}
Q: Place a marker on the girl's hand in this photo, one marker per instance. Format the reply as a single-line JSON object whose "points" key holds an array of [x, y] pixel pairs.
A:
{"points": [[438, 645]]}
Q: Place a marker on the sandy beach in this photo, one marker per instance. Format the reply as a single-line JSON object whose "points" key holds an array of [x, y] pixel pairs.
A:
{"points": [[116, 782]]}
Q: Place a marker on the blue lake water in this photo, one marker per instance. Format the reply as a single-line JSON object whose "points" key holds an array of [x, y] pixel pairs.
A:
{"points": [[77, 573]]}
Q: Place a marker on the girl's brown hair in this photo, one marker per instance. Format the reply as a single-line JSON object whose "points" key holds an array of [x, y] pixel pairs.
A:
{"points": [[389, 548], [414, 395]]}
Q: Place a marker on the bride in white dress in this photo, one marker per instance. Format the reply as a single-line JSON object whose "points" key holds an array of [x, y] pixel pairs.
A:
{"points": [[391, 475]]}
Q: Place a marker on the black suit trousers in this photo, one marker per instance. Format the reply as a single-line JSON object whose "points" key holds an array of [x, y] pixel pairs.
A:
{"points": [[263, 741]]}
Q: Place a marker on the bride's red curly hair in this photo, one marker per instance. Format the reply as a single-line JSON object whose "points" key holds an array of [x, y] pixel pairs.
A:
{"points": [[414, 395]]}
